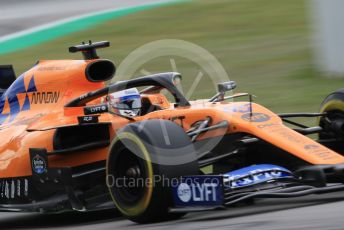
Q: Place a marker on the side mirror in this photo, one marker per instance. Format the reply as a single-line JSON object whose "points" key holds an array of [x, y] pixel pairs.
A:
{"points": [[222, 88], [226, 86]]}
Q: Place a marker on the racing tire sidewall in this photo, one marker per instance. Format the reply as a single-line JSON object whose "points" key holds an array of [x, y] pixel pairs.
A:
{"points": [[148, 145]]}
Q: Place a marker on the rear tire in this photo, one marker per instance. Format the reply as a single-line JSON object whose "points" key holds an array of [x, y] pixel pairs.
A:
{"points": [[141, 153]]}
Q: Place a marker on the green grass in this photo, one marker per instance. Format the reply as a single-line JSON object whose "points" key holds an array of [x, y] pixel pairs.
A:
{"points": [[265, 45]]}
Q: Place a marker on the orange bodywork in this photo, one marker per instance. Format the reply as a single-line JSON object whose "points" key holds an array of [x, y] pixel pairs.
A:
{"points": [[35, 107]]}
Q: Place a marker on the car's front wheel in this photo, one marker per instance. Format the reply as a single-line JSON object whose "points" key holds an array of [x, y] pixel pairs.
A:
{"points": [[333, 122], [145, 159]]}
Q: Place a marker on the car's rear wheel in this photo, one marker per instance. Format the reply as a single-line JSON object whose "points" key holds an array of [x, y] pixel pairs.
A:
{"points": [[144, 160]]}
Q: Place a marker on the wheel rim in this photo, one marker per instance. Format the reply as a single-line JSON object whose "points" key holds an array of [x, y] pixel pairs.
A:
{"points": [[131, 176], [122, 162]]}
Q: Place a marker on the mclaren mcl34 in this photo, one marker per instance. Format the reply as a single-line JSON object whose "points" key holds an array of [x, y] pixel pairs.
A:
{"points": [[72, 142]]}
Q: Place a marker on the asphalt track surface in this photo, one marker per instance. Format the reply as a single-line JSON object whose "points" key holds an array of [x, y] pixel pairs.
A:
{"points": [[311, 212]]}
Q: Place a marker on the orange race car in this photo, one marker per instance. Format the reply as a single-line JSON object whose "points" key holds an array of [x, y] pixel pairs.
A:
{"points": [[69, 142]]}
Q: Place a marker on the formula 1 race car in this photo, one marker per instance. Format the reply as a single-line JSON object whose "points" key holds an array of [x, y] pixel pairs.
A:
{"points": [[69, 142]]}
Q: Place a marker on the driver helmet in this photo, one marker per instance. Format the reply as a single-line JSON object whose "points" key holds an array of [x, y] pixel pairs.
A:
{"points": [[126, 102]]}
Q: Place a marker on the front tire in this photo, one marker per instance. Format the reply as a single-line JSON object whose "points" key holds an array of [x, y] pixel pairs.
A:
{"points": [[333, 122], [150, 154]]}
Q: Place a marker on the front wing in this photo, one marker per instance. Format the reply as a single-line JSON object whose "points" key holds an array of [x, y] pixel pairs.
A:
{"points": [[209, 192]]}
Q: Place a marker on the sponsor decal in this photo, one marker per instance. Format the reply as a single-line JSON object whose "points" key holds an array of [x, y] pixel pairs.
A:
{"points": [[83, 96], [242, 108], [10, 97], [311, 146], [96, 109], [245, 108], [256, 177], [45, 97], [87, 119], [293, 137], [318, 151], [130, 91], [184, 192], [267, 125], [255, 174], [51, 68], [255, 117], [39, 165], [198, 191]]}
